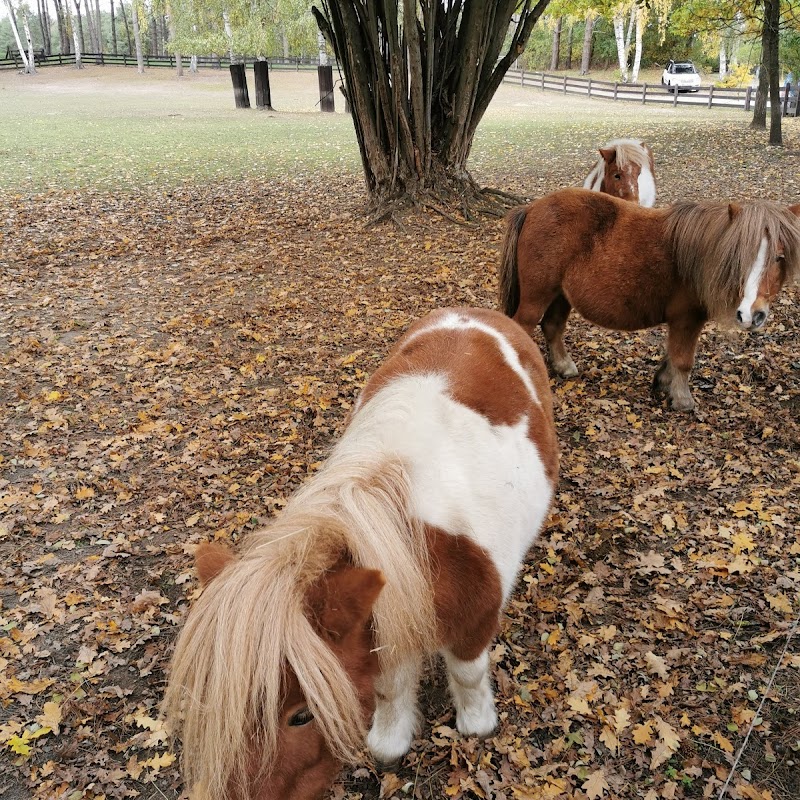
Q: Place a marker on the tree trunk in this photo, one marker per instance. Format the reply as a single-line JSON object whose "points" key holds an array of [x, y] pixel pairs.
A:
{"points": [[114, 48], [323, 52], [91, 26], [622, 54], [419, 80], [80, 27], [13, 20], [29, 39], [637, 57], [586, 53], [63, 33], [127, 29], [239, 80], [44, 25], [99, 26], [772, 22], [153, 36], [568, 58], [137, 38], [193, 63], [285, 43], [77, 39], [556, 49]]}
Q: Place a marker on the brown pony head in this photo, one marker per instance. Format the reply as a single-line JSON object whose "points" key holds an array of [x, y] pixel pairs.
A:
{"points": [[623, 163], [736, 257]]}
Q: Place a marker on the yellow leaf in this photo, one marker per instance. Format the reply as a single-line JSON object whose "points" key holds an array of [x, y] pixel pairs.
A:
{"points": [[84, 493], [609, 739], [779, 602], [622, 719], [742, 541], [50, 717], [643, 733], [724, 744], [19, 746], [190, 522], [53, 397], [578, 704], [595, 785], [656, 665]]}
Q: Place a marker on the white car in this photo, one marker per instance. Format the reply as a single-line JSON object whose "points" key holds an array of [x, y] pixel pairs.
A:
{"points": [[681, 76]]}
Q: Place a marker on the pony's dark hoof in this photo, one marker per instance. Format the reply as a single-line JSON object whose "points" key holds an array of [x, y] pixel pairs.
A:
{"points": [[389, 766]]}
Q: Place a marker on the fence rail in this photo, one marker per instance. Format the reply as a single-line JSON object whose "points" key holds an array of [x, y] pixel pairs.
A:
{"points": [[128, 60], [708, 96]]}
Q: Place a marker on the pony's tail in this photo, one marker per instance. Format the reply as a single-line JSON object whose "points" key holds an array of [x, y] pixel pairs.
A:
{"points": [[508, 285]]}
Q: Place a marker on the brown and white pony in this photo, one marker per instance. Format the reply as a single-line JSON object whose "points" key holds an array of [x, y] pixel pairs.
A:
{"points": [[625, 170], [406, 543], [626, 267]]}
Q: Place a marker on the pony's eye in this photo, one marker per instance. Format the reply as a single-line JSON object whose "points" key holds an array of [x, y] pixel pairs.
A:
{"points": [[302, 717], [617, 176], [780, 257]]}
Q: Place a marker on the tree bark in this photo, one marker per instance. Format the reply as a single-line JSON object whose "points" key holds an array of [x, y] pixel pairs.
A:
{"points": [[556, 49], [99, 26], [91, 26], [637, 56], [418, 78], [127, 29], [114, 47], [723, 59], [29, 39], [13, 20], [622, 54], [80, 26], [772, 22], [63, 36], [568, 55], [77, 39], [586, 53], [263, 94], [137, 38]]}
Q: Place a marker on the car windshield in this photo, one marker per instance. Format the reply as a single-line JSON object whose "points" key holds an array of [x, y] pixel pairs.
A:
{"points": [[685, 68]]}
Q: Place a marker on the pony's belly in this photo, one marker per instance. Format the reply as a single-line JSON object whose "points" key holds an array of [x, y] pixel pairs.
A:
{"points": [[617, 306]]}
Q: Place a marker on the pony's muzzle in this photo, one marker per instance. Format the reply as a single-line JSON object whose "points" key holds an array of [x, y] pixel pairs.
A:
{"points": [[754, 323]]}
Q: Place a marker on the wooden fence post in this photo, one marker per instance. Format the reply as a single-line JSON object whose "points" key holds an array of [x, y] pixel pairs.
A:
{"points": [[543, 81], [263, 96], [710, 95], [239, 78], [565, 84], [522, 77], [674, 96], [616, 86], [325, 77], [786, 98], [644, 93], [590, 87], [747, 98]]}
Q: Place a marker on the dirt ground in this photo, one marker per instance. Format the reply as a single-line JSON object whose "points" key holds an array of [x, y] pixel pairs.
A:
{"points": [[173, 365]]}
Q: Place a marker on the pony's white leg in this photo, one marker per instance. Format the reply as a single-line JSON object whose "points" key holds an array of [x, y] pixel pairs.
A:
{"points": [[473, 698], [396, 712]]}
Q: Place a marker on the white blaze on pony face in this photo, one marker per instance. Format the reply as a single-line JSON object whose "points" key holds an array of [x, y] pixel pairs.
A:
{"points": [[746, 316], [647, 188]]}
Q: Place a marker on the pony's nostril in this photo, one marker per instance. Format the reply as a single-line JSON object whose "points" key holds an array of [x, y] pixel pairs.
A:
{"points": [[759, 318], [738, 316]]}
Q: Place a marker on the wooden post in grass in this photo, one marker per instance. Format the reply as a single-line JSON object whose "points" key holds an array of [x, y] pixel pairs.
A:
{"points": [[263, 96], [326, 99], [239, 80]]}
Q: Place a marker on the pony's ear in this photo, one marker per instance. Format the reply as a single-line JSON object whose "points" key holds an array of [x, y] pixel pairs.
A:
{"points": [[795, 210], [608, 154], [733, 210], [342, 600], [210, 559]]}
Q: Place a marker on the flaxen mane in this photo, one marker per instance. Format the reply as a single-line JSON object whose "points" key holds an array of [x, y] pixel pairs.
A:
{"points": [[714, 253], [630, 150], [225, 686]]}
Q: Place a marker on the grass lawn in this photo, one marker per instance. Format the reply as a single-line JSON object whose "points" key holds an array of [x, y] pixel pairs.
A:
{"points": [[110, 128]]}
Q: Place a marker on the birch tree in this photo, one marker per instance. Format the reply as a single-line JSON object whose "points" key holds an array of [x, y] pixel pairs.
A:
{"points": [[29, 67], [77, 37], [137, 37]]}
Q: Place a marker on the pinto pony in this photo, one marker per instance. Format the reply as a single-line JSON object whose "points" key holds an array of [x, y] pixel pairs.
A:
{"points": [[625, 170], [626, 267], [406, 543]]}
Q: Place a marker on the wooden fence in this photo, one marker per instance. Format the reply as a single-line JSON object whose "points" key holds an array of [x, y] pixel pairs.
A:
{"points": [[708, 96], [127, 60]]}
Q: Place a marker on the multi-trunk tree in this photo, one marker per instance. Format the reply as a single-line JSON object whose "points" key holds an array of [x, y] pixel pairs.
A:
{"points": [[419, 76]]}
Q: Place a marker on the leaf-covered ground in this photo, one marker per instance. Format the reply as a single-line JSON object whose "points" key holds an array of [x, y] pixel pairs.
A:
{"points": [[174, 365]]}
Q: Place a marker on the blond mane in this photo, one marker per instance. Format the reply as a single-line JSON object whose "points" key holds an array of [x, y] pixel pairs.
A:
{"points": [[630, 151], [714, 253], [225, 684]]}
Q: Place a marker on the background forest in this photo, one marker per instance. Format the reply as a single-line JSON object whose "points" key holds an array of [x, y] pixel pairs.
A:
{"points": [[720, 36]]}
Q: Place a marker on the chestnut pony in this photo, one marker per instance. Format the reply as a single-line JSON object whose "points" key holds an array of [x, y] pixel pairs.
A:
{"points": [[625, 170], [626, 267], [406, 543]]}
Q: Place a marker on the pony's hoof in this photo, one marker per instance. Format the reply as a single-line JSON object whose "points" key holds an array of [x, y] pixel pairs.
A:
{"points": [[683, 404], [481, 723], [566, 368], [388, 766]]}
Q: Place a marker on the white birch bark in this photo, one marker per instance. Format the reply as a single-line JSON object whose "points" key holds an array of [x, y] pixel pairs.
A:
{"points": [[13, 20], [637, 57], [619, 35], [723, 59], [76, 39], [228, 32], [323, 51], [31, 59], [193, 64], [137, 38]]}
